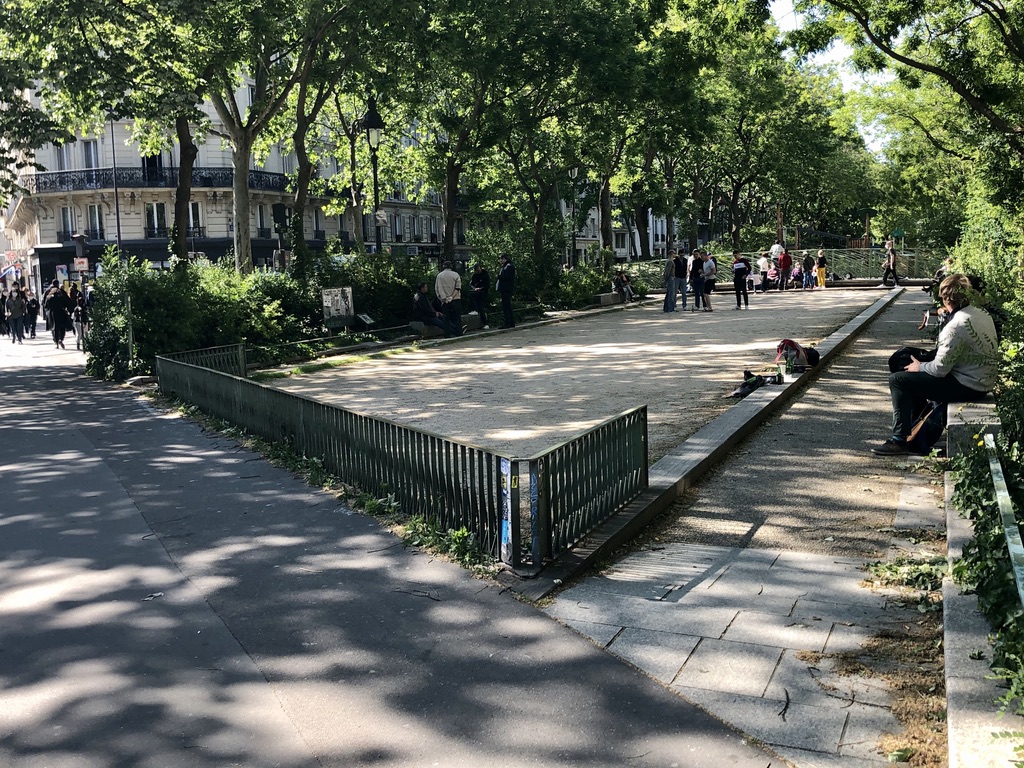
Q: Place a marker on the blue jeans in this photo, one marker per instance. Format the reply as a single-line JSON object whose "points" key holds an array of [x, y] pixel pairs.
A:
{"points": [[681, 287], [809, 279], [670, 295]]}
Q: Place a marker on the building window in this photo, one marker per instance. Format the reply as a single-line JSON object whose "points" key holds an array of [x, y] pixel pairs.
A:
{"points": [[90, 154], [63, 158], [620, 241], [95, 228], [417, 228], [67, 224], [397, 227], [156, 220], [433, 229], [288, 164], [196, 227]]}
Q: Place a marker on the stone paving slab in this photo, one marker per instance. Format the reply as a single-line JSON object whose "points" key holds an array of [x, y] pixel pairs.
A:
{"points": [[780, 631], [619, 611], [721, 665], [659, 654], [818, 684], [803, 727], [864, 723]]}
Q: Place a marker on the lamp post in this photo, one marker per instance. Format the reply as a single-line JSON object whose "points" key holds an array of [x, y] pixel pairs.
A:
{"points": [[573, 173], [374, 125], [117, 203]]}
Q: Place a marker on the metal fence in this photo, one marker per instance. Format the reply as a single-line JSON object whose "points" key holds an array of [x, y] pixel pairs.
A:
{"points": [[571, 488], [1011, 531], [226, 359]]}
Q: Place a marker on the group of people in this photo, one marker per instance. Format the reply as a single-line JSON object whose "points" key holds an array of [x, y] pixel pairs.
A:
{"points": [[696, 275], [63, 311], [444, 311], [777, 269]]}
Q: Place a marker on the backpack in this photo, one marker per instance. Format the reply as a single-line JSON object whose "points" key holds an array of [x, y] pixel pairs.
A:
{"points": [[790, 349], [928, 429]]}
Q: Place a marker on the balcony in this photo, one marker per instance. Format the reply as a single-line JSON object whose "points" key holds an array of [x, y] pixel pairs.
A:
{"points": [[64, 236], [94, 234], [136, 178], [156, 232], [319, 234], [263, 233], [195, 232]]}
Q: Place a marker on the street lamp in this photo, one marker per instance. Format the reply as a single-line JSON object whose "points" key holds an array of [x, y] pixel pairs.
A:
{"points": [[374, 125], [117, 203], [573, 173]]}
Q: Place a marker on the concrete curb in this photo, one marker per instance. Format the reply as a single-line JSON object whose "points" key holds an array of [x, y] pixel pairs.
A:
{"points": [[681, 468]]}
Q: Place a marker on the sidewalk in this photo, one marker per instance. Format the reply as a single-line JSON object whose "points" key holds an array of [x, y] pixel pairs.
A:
{"points": [[169, 599]]}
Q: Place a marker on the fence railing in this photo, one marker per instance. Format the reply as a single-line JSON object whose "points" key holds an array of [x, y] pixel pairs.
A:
{"points": [[226, 359], [1011, 532], [570, 489]]}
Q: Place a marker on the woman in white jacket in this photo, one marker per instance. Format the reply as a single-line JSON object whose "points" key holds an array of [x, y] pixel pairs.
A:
{"points": [[964, 367]]}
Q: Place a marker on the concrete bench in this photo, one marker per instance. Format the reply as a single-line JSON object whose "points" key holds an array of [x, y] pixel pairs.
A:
{"points": [[965, 420], [469, 322], [607, 299]]}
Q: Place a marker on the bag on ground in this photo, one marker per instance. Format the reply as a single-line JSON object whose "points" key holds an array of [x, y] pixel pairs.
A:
{"points": [[788, 349], [927, 429]]}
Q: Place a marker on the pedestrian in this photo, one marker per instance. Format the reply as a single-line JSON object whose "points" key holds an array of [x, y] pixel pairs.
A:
{"points": [[776, 251], [809, 273], [669, 275], [740, 271], [427, 313], [81, 320], [5, 327], [821, 264], [964, 367], [480, 287], [764, 264], [505, 285], [448, 289], [31, 314], [697, 281], [785, 269], [17, 306], [710, 268], [58, 306], [679, 267], [890, 269], [73, 294]]}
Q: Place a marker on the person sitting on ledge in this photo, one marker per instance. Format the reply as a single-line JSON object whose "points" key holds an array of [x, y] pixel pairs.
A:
{"points": [[964, 367], [425, 312]]}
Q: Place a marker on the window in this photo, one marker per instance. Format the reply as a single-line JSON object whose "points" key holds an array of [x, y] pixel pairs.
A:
{"points": [[196, 228], [63, 158], [433, 229], [156, 220], [95, 228], [288, 164], [67, 224], [397, 227], [369, 234], [90, 154], [620, 241], [417, 228]]}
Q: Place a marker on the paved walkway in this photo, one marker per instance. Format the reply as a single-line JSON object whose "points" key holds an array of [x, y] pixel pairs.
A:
{"points": [[169, 599]]}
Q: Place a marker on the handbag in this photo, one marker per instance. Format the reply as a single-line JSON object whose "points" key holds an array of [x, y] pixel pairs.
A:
{"points": [[900, 359], [928, 429]]}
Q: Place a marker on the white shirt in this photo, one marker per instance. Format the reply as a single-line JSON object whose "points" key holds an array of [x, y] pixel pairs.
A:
{"points": [[775, 251], [967, 350], [448, 286], [763, 265]]}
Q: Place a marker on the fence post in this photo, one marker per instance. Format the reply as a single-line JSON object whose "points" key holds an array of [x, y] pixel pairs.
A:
{"points": [[540, 512], [508, 503], [242, 367]]}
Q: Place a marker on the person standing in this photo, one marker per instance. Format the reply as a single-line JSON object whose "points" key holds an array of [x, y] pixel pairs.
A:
{"points": [[808, 267], [785, 269], [448, 289], [740, 271], [763, 265], [710, 269], [697, 281], [821, 265], [679, 267], [890, 269], [505, 285], [81, 319], [669, 274], [31, 314], [480, 287], [776, 251], [17, 306], [58, 306]]}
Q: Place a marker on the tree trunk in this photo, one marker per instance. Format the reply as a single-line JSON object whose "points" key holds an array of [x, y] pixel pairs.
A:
{"points": [[451, 194], [735, 217], [607, 235], [300, 251], [355, 195], [642, 231], [240, 203], [183, 194]]}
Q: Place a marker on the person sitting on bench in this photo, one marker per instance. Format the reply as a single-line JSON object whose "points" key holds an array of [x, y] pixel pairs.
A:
{"points": [[425, 312], [964, 367]]}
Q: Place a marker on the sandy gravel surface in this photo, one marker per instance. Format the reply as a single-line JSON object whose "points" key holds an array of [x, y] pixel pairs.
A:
{"points": [[807, 480], [521, 392]]}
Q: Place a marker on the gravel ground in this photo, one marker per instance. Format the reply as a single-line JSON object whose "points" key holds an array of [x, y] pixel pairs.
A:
{"points": [[521, 392]]}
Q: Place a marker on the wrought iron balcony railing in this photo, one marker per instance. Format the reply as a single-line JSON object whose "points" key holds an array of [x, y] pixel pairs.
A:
{"points": [[319, 234], [135, 178], [94, 234], [156, 232], [195, 232], [263, 233]]}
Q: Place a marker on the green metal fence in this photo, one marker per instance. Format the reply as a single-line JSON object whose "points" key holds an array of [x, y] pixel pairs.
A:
{"points": [[572, 488], [226, 359]]}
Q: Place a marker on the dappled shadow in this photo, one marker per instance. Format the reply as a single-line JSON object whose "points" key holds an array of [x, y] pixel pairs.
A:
{"points": [[280, 629]]}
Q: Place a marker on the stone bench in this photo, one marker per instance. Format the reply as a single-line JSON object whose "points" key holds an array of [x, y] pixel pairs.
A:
{"points": [[607, 299], [965, 420], [469, 323]]}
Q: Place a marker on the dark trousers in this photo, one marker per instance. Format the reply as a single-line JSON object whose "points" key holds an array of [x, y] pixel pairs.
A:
{"points": [[59, 329], [453, 314], [891, 272], [30, 325], [698, 292], [739, 284], [910, 392], [508, 319], [480, 305]]}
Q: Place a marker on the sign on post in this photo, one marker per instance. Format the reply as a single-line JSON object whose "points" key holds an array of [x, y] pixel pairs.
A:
{"points": [[338, 307], [81, 265]]}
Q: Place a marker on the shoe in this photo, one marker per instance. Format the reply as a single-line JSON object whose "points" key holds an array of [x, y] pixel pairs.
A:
{"points": [[738, 307], [485, 327], [892, 447], [472, 313]]}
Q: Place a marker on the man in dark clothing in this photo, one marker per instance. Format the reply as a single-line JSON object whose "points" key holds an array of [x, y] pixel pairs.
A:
{"points": [[785, 269], [480, 287], [679, 265], [426, 313], [59, 307], [808, 270], [505, 286], [31, 314]]}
